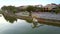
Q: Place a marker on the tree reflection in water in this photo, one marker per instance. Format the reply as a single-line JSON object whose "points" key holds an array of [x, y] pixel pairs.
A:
{"points": [[12, 19], [28, 20]]}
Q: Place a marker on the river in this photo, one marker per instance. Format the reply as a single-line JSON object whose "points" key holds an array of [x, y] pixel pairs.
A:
{"points": [[11, 25]]}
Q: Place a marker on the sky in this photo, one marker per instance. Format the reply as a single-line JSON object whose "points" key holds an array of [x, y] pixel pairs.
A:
{"points": [[27, 2]]}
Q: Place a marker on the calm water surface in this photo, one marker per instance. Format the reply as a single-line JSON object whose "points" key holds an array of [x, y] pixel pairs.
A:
{"points": [[20, 26]]}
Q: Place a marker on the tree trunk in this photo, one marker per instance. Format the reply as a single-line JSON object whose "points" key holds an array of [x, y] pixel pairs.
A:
{"points": [[30, 13]]}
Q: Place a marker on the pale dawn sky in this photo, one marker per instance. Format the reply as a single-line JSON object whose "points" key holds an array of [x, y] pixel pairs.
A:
{"points": [[27, 2]]}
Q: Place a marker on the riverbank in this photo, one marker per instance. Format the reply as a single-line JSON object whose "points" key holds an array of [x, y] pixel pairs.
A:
{"points": [[43, 20], [45, 15], [40, 20]]}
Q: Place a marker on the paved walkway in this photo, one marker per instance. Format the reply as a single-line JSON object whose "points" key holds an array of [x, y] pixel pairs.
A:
{"points": [[47, 15]]}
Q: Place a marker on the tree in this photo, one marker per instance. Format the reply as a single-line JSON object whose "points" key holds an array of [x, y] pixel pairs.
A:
{"points": [[30, 9], [57, 9], [4, 8], [12, 9], [10, 18], [40, 9]]}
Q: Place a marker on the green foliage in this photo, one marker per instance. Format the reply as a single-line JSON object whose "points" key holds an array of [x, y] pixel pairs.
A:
{"points": [[57, 10], [4, 8], [9, 18], [30, 8], [29, 20], [0, 12], [12, 9], [39, 8]]}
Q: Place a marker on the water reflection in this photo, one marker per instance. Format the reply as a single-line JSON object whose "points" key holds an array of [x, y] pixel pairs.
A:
{"points": [[0, 15], [10, 19], [23, 26], [36, 24]]}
